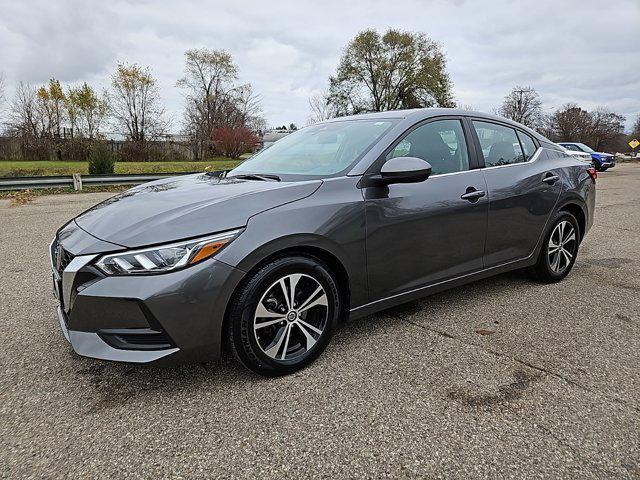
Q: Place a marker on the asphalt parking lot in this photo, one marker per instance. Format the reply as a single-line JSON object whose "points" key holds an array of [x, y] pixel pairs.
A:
{"points": [[505, 378]]}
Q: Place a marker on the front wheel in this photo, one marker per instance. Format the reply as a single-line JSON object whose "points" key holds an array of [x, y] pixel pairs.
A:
{"points": [[283, 315], [559, 250]]}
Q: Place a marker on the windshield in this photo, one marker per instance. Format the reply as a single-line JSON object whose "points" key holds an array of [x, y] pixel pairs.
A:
{"points": [[584, 148], [317, 150]]}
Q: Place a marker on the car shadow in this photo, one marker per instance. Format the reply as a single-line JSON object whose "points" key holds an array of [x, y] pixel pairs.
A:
{"points": [[116, 384]]}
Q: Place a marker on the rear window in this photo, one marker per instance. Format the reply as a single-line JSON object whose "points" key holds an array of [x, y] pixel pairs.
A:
{"points": [[528, 146], [500, 144]]}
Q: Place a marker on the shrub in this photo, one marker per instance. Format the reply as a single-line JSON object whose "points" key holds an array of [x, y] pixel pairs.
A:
{"points": [[101, 160], [36, 148], [234, 141], [73, 150], [133, 152]]}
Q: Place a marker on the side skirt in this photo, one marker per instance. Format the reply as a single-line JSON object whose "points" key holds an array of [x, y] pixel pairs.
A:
{"points": [[421, 292]]}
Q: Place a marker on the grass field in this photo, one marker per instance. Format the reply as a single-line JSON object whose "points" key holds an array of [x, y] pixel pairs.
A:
{"points": [[11, 168]]}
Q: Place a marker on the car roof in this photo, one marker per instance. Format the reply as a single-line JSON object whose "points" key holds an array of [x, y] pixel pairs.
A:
{"points": [[419, 114]]}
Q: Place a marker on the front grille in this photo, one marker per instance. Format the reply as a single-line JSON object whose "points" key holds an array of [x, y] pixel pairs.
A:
{"points": [[61, 258]]}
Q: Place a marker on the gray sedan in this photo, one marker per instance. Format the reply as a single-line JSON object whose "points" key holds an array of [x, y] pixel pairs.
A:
{"points": [[342, 218]]}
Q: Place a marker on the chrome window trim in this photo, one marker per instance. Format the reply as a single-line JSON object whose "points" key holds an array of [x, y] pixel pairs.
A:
{"points": [[533, 158], [453, 173]]}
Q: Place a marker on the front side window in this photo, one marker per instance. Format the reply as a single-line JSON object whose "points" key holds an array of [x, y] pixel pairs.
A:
{"points": [[318, 150], [441, 143], [528, 146], [500, 144]]}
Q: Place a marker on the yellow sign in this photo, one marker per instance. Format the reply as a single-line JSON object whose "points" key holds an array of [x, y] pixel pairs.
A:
{"points": [[634, 143]]}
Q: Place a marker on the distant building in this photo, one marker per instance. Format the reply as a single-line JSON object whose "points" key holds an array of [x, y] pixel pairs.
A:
{"points": [[272, 136]]}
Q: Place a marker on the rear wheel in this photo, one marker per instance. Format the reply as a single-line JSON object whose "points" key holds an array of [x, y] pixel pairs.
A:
{"points": [[283, 316], [559, 250]]}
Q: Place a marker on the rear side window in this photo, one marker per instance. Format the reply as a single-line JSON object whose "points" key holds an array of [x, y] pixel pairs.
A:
{"points": [[528, 146], [500, 144], [441, 143]]}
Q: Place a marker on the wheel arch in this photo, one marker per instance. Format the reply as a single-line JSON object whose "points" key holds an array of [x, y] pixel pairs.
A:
{"points": [[578, 211], [325, 256], [330, 259]]}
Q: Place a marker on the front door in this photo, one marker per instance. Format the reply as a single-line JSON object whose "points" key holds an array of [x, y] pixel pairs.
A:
{"points": [[423, 233]]}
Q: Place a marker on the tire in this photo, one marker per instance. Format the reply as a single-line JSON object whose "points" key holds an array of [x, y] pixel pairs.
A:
{"points": [[267, 334], [604, 169], [553, 263], [597, 167]]}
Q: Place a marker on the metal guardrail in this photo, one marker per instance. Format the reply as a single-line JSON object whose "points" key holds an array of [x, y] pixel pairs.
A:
{"points": [[24, 183]]}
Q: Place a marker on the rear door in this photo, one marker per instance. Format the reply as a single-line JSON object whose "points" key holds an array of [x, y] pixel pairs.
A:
{"points": [[523, 188], [422, 233]]}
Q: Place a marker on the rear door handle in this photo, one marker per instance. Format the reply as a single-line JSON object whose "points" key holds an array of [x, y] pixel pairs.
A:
{"points": [[550, 178], [472, 194]]}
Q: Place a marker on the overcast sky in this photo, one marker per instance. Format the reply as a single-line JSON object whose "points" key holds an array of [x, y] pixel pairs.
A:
{"points": [[581, 51]]}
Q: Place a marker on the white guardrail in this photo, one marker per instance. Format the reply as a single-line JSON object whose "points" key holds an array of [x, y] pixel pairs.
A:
{"points": [[77, 181]]}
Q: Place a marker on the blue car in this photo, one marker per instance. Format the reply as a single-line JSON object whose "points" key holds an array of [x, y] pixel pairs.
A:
{"points": [[602, 161]]}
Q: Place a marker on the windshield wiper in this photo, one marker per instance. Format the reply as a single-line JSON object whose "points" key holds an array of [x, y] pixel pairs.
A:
{"points": [[265, 177]]}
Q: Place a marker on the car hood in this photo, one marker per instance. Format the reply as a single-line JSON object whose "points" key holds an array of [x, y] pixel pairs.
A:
{"points": [[186, 206], [603, 154]]}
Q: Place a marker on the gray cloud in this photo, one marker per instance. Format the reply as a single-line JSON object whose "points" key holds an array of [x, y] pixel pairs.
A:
{"points": [[578, 51]]}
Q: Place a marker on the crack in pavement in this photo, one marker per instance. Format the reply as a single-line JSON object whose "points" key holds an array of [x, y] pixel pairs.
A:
{"points": [[594, 467], [529, 365]]}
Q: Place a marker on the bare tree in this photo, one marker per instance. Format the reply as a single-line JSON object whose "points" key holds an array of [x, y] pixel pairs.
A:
{"points": [[2, 91], [135, 103], [213, 99], [321, 108], [635, 130], [607, 128], [570, 123], [523, 105], [599, 129], [244, 109], [24, 118]]}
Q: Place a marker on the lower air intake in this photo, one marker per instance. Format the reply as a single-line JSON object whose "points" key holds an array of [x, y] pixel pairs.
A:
{"points": [[136, 339]]}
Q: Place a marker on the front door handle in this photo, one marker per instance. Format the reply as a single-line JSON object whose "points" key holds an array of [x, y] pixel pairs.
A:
{"points": [[472, 194], [550, 178]]}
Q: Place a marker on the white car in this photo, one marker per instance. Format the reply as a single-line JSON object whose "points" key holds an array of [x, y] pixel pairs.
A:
{"points": [[577, 154]]}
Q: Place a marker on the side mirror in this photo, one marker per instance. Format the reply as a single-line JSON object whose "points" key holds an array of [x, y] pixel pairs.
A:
{"points": [[403, 170]]}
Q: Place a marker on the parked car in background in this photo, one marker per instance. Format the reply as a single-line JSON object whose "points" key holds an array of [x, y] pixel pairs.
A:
{"points": [[342, 218], [601, 160], [580, 155]]}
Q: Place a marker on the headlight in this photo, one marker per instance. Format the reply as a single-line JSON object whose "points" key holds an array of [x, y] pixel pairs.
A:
{"points": [[165, 258]]}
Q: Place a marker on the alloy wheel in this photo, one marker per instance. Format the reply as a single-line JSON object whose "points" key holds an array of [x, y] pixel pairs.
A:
{"points": [[562, 247], [290, 316]]}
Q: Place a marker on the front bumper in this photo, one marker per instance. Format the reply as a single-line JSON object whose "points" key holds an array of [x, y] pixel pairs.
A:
{"points": [[174, 316], [89, 344], [606, 163]]}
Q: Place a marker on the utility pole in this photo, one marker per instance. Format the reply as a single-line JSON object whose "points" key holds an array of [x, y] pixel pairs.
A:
{"points": [[519, 105]]}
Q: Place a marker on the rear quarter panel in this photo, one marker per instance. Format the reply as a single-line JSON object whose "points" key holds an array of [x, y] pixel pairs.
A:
{"points": [[578, 188]]}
